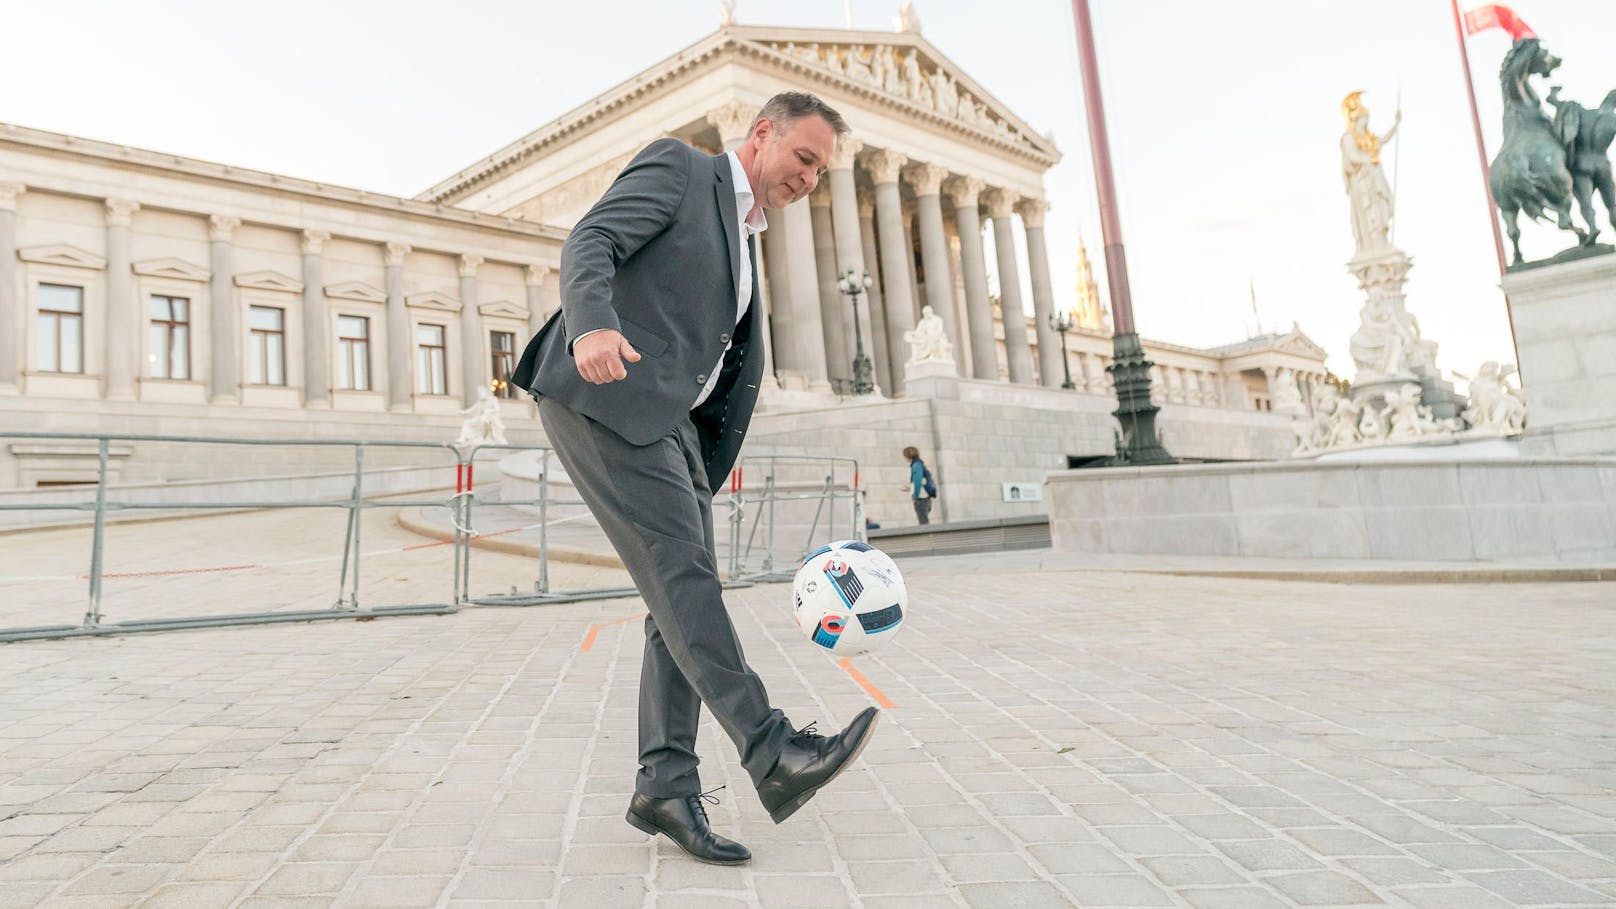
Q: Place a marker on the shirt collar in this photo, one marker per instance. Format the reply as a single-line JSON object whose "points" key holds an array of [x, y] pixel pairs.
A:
{"points": [[744, 199]]}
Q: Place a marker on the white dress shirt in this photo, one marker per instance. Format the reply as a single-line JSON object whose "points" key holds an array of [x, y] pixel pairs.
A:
{"points": [[750, 223]]}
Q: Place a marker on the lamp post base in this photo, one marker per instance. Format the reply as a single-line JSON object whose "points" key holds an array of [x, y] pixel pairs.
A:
{"points": [[1130, 374]]}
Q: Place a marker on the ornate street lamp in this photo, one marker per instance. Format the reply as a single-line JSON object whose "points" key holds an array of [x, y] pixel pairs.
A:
{"points": [[1062, 322], [1130, 369], [854, 286]]}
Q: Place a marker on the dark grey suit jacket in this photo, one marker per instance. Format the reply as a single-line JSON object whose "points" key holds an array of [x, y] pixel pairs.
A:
{"points": [[658, 259]]}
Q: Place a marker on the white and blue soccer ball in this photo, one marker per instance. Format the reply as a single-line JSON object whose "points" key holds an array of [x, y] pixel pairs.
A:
{"points": [[849, 598]]}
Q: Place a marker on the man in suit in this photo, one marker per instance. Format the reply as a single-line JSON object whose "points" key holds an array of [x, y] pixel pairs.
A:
{"points": [[646, 381]]}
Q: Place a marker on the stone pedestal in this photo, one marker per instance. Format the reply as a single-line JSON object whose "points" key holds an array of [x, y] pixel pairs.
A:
{"points": [[1565, 329]]}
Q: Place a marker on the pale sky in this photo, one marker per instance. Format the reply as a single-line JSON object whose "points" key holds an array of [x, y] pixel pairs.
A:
{"points": [[1224, 119]]}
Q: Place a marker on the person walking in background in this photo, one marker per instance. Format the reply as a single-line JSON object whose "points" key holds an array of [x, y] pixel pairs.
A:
{"points": [[922, 488]]}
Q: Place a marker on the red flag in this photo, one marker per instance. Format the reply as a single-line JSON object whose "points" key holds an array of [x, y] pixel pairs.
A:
{"points": [[1497, 15]]}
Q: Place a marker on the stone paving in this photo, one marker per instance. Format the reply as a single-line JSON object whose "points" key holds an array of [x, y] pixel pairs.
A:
{"points": [[1059, 738]]}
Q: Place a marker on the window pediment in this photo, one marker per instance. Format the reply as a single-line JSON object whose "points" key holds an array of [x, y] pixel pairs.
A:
{"points": [[270, 280], [172, 268], [356, 290], [504, 309], [433, 300], [62, 254]]}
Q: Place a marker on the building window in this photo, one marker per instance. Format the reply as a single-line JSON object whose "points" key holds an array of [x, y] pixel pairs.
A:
{"points": [[61, 328], [503, 346], [266, 345], [168, 354], [431, 361], [353, 353]]}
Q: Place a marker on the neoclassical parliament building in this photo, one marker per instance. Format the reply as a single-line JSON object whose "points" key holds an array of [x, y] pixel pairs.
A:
{"points": [[143, 292]]}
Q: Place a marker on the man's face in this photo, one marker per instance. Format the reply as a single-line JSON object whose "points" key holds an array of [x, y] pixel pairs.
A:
{"points": [[791, 160]]}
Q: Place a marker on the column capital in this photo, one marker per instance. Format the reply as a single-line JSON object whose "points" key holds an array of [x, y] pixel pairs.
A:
{"points": [[536, 275], [925, 179], [885, 165], [396, 253], [314, 241], [222, 227], [1032, 211], [469, 263], [820, 197], [963, 191], [847, 148], [1001, 203], [9, 193], [733, 122], [120, 212]]}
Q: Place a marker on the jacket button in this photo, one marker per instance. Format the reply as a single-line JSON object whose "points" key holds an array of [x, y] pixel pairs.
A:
{"points": [[724, 337], [701, 379]]}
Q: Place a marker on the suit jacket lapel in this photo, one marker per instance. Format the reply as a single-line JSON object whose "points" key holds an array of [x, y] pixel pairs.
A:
{"points": [[724, 193]]}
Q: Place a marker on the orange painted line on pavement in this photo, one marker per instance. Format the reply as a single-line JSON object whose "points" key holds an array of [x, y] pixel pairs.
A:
{"points": [[589, 639], [847, 664]]}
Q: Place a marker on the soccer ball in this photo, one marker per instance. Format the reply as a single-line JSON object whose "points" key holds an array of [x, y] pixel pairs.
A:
{"points": [[849, 598]]}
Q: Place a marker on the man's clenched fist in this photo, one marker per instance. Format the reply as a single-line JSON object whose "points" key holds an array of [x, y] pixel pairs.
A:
{"points": [[601, 354]]}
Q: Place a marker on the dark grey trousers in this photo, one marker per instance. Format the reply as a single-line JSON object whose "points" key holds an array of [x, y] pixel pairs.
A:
{"points": [[654, 504]]}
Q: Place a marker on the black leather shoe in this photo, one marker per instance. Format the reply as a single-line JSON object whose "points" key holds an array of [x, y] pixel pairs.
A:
{"points": [[810, 761], [684, 820]]}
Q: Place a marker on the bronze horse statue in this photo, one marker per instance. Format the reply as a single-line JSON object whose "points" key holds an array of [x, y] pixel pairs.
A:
{"points": [[1587, 135], [1530, 172]]}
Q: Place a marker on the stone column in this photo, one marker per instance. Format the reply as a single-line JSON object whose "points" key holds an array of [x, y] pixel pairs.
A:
{"points": [[850, 251], [838, 332], [473, 347], [1043, 296], [956, 273], [763, 303], [1001, 205], [733, 122], [782, 322], [885, 167], [123, 314], [536, 316], [316, 322], [399, 387], [878, 345], [11, 308], [963, 192], [225, 381], [927, 180], [807, 325]]}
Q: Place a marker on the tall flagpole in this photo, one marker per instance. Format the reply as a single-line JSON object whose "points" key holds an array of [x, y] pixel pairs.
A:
{"points": [[1486, 178]]}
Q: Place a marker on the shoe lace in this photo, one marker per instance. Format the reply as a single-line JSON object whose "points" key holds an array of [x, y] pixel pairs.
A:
{"points": [[809, 732], [697, 800]]}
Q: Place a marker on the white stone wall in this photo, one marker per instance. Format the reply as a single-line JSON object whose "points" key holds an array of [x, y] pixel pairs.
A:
{"points": [[1565, 330], [1392, 510]]}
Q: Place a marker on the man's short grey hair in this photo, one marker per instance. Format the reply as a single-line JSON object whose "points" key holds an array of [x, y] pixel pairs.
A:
{"points": [[787, 107]]}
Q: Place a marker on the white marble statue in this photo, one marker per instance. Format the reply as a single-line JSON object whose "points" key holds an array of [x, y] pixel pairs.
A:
{"points": [[928, 341], [483, 424], [1287, 394], [908, 19], [1370, 194], [1495, 405], [1405, 417], [911, 76], [1380, 345], [726, 13], [855, 67]]}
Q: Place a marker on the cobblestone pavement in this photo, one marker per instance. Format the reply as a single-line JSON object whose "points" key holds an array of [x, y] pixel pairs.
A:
{"points": [[1058, 738]]}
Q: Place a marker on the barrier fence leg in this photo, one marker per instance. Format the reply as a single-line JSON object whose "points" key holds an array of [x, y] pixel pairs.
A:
{"points": [[544, 521], [92, 618], [358, 508]]}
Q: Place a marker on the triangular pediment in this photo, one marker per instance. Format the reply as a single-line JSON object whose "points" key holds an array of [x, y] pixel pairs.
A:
{"points": [[504, 309], [1300, 344], [903, 70], [62, 254], [270, 280], [171, 268], [433, 300], [356, 290], [901, 73]]}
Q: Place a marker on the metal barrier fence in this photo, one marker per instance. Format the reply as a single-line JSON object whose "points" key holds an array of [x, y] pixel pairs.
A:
{"points": [[789, 485]]}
